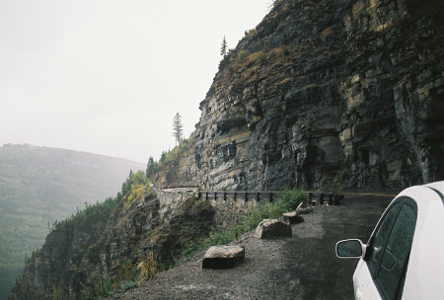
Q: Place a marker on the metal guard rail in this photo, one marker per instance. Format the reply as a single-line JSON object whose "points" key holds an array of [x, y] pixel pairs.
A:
{"points": [[332, 198]]}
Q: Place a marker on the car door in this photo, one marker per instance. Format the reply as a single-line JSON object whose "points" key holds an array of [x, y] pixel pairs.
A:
{"points": [[381, 272]]}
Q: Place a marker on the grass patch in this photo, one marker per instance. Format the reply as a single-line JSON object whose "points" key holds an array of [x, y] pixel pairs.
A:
{"points": [[149, 268], [343, 179], [242, 55]]}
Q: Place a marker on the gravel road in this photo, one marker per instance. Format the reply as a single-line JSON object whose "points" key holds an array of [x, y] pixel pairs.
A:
{"points": [[303, 266]]}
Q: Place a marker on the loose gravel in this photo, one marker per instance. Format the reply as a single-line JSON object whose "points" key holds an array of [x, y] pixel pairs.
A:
{"points": [[303, 266]]}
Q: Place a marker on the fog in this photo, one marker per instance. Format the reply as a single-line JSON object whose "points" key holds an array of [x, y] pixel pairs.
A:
{"points": [[107, 77]]}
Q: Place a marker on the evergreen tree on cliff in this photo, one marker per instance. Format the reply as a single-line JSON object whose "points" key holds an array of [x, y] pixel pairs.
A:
{"points": [[150, 167], [223, 48], [177, 128]]}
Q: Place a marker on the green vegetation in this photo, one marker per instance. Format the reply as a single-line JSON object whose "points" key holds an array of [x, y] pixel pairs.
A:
{"points": [[226, 59], [242, 55], [177, 128], [289, 199], [126, 275], [126, 279], [223, 48], [88, 216], [343, 179], [218, 236], [39, 185], [170, 160], [135, 186], [148, 268]]}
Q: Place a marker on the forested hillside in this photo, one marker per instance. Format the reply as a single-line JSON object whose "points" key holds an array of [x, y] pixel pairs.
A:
{"points": [[40, 185]]}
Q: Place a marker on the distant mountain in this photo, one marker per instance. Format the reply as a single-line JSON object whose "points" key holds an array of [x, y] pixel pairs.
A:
{"points": [[40, 185]]}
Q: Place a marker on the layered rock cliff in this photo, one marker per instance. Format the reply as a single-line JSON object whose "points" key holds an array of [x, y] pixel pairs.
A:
{"points": [[329, 93], [177, 168]]}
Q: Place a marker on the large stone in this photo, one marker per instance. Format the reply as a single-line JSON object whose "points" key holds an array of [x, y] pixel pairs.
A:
{"points": [[223, 257], [270, 228], [305, 210], [293, 217]]}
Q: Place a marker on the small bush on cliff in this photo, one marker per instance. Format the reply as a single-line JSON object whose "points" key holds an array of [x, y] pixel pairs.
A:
{"points": [[242, 55], [148, 268], [104, 288]]}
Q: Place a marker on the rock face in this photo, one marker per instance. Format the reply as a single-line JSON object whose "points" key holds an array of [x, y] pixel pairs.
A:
{"points": [[73, 260], [270, 228], [223, 257], [181, 171], [329, 93]]}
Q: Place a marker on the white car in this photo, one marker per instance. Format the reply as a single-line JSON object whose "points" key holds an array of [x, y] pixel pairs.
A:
{"points": [[404, 257]]}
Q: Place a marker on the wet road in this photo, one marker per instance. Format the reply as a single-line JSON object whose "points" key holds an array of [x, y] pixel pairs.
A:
{"points": [[324, 275], [302, 267]]}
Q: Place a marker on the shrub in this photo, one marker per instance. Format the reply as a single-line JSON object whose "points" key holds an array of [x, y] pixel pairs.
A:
{"points": [[242, 55], [149, 268], [129, 284], [290, 199], [104, 288], [218, 236], [343, 179]]}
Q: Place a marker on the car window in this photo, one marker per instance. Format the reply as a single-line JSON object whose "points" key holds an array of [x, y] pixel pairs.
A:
{"points": [[389, 248], [374, 252], [396, 253]]}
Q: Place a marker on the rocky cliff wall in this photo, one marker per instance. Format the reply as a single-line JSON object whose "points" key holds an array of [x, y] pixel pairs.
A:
{"points": [[329, 93], [75, 261], [178, 169]]}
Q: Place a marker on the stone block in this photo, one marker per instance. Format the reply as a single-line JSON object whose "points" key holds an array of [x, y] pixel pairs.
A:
{"points": [[304, 210], [223, 257], [293, 217], [270, 228]]}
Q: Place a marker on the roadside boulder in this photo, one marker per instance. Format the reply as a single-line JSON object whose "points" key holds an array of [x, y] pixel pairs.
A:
{"points": [[270, 228], [292, 217], [304, 210], [223, 257]]}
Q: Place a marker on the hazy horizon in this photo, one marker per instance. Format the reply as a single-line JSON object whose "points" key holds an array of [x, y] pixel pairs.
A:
{"points": [[107, 77], [78, 151]]}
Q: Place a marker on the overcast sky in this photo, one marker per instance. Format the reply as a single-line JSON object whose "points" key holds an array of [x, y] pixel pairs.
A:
{"points": [[107, 77]]}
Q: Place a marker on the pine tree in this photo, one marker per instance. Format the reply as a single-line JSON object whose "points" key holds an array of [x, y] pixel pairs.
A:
{"points": [[150, 167], [223, 48], [163, 156], [177, 128]]}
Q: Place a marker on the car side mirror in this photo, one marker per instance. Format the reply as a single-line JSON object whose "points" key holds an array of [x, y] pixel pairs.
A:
{"points": [[350, 249]]}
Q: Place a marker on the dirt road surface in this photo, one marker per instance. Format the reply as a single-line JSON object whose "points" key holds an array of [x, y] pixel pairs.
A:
{"points": [[301, 267]]}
